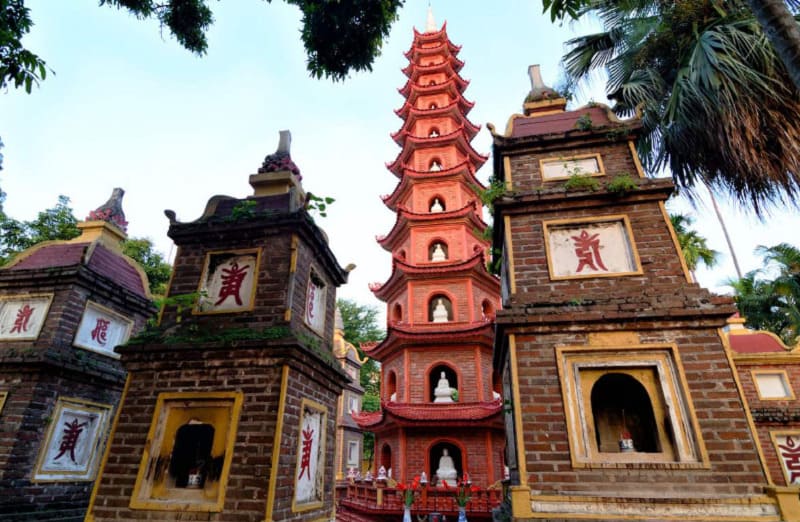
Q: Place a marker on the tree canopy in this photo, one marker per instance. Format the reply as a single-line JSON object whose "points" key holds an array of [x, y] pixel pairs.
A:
{"points": [[339, 37], [694, 246], [717, 104], [769, 298]]}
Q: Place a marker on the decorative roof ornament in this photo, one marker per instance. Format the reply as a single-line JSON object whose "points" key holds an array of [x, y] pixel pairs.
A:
{"points": [[111, 211], [539, 91], [281, 159], [430, 23]]}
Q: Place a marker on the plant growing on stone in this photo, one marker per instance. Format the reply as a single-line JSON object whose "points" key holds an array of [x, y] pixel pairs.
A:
{"points": [[579, 182], [622, 183], [318, 204], [584, 123], [243, 210]]}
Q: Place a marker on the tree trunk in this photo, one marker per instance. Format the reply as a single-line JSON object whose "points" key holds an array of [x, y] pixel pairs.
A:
{"points": [[783, 32]]}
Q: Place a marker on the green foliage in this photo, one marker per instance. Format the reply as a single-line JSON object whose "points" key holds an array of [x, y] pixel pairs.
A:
{"points": [[57, 222], [559, 9], [622, 183], [454, 395], [769, 298], [694, 246], [317, 204], [578, 182], [152, 262], [157, 335], [711, 91], [360, 322], [17, 65], [245, 209], [584, 122], [493, 191]]}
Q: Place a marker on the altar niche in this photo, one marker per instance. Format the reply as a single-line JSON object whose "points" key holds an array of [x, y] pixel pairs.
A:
{"points": [[435, 454]]}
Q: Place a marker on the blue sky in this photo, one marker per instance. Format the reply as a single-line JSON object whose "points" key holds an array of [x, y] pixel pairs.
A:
{"points": [[128, 107]]}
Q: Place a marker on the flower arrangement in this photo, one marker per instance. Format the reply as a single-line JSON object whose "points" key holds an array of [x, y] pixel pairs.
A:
{"points": [[408, 491], [464, 491]]}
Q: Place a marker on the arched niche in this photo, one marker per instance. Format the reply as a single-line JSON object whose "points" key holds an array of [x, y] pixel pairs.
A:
{"points": [[435, 375], [435, 165], [432, 106], [391, 386], [440, 309], [487, 310], [435, 454], [622, 409], [397, 313], [386, 456], [437, 204], [434, 132], [438, 252]]}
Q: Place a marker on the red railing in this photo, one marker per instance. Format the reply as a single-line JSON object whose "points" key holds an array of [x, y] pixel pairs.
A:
{"points": [[368, 498]]}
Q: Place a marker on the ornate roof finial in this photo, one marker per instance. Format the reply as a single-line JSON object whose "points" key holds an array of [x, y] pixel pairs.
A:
{"points": [[281, 159], [430, 23], [541, 93], [111, 211]]}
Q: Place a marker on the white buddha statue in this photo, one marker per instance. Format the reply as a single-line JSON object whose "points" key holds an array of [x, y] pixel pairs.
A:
{"points": [[440, 312], [435, 167], [438, 253], [443, 392], [381, 474], [437, 206], [447, 470]]}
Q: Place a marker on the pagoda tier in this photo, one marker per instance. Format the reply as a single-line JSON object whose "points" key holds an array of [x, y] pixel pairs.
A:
{"points": [[400, 336], [467, 215], [461, 415], [422, 154], [449, 64], [434, 79], [422, 129], [463, 174]]}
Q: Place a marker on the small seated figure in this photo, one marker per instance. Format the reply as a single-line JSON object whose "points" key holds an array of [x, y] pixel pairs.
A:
{"points": [[358, 478], [393, 397], [351, 474], [496, 396], [446, 471], [423, 478], [440, 312], [433, 134], [435, 167], [381, 474], [436, 207], [443, 392], [438, 253], [368, 476]]}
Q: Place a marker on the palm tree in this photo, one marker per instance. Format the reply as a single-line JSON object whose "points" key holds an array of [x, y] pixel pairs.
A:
{"points": [[694, 246], [716, 102], [772, 304], [783, 32]]}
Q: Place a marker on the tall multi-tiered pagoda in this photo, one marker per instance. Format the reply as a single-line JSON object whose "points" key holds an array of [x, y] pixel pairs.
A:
{"points": [[440, 403]]}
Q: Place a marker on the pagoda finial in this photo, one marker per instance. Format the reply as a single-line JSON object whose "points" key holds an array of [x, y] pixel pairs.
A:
{"points": [[111, 211], [430, 23], [541, 96], [278, 174]]}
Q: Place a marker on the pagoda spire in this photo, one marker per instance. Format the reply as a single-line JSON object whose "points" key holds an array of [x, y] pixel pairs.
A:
{"points": [[430, 23]]}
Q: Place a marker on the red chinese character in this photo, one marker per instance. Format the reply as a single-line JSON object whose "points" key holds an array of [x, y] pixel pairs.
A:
{"points": [[790, 453], [23, 316], [587, 248], [232, 279], [312, 290], [100, 331], [69, 439], [305, 458]]}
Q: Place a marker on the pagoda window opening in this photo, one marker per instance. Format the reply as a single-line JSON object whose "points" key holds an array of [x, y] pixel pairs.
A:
{"points": [[623, 415], [497, 386], [437, 251], [397, 313], [386, 456], [190, 461], [440, 309], [442, 384], [435, 165], [431, 83], [434, 132], [443, 458], [401, 255], [391, 386], [487, 310], [436, 204], [433, 106]]}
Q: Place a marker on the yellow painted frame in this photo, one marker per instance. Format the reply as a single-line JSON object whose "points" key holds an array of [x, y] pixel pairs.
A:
{"points": [[600, 219], [3, 396], [204, 275], [311, 405], [108, 311], [156, 439], [276, 444], [509, 246], [631, 356], [776, 371], [104, 410], [14, 297], [773, 435], [596, 155]]}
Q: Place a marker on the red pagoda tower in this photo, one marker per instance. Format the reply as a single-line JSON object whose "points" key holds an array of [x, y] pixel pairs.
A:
{"points": [[440, 400]]}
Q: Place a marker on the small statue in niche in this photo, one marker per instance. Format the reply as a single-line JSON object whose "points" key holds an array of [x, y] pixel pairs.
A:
{"points": [[436, 207], [443, 392], [438, 253], [440, 312], [447, 470]]}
